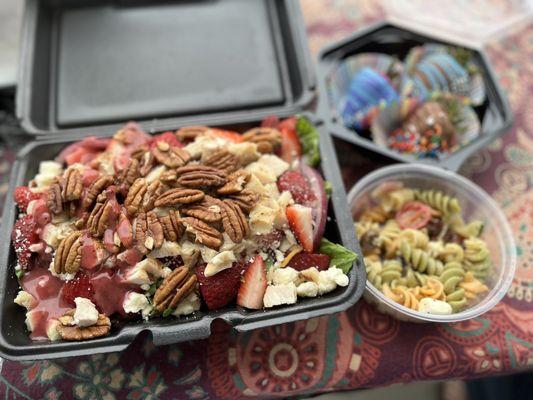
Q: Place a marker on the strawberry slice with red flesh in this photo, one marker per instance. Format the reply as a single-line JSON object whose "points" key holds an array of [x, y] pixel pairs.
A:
{"points": [[290, 145], [167, 137], [23, 236], [298, 185], [303, 261], [271, 121], [253, 286], [226, 134], [23, 195], [288, 123], [301, 223], [221, 289], [80, 286]]}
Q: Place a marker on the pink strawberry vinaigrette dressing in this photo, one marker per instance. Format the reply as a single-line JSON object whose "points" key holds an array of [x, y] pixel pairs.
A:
{"points": [[106, 272]]}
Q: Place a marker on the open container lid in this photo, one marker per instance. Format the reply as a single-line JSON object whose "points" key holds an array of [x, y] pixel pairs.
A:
{"points": [[89, 65]]}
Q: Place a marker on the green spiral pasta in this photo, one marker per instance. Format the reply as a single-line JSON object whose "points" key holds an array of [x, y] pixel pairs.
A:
{"points": [[414, 237], [451, 276], [373, 272], [452, 252], [477, 257], [472, 229], [420, 260], [388, 237], [394, 200], [363, 227], [448, 205], [435, 248], [392, 270]]}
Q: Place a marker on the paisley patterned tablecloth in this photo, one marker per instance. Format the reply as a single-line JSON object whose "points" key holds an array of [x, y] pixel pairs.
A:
{"points": [[359, 348]]}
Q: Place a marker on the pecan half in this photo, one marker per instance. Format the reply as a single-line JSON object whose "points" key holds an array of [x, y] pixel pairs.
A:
{"points": [[146, 163], [72, 185], [95, 189], [68, 331], [171, 156], [148, 231], [267, 139], [139, 152], [177, 196], [235, 183], [54, 200], [246, 199], [174, 288], [224, 160], [208, 210], [98, 220], [189, 133], [68, 256], [200, 176], [128, 175], [234, 221], [141, 196], [172, 227], [203, 233]]}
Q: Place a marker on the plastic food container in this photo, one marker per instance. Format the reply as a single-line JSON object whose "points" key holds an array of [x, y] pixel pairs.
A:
{"points": [[268, 71], [14, 339], [476, 204], [494, 113]]}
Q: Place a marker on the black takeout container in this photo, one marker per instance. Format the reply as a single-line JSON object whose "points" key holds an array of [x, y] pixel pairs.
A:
{"points": [[40, 99], [495, 114]]}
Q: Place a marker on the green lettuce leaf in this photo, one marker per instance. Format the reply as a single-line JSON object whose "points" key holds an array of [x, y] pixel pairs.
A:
{"points": [[309, 138], [328, 188], [167, 312], [340, 256]]}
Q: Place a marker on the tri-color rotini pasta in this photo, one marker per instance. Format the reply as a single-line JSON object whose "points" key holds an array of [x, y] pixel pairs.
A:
{"points": [[417, 246]]}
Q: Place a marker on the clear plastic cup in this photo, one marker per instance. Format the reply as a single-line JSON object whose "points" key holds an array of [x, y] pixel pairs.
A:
{"points": [[476, 204]]}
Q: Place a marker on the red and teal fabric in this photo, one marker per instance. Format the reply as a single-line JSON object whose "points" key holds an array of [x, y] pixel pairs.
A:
{"points": [[359, 348]]}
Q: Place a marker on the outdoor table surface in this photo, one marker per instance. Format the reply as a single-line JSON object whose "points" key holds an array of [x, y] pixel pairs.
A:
{"points": [[359, 348]]}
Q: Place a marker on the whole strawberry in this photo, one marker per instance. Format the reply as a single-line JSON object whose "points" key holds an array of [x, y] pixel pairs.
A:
{"points": [[23, 236]]}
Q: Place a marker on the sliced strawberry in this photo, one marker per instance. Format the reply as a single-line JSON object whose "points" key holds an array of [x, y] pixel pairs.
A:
{"points": [[125, 230], [303, 261], [221, 289], [88, 176], [271, 121], [93, 253], [167, 137], [288, 123], [301, 223], [40, 212], [23, 195], [78, 155], [254, 285], [95, 144], [230, 135], [290, 145], [80, 286], [23, 236], [298, 185]]}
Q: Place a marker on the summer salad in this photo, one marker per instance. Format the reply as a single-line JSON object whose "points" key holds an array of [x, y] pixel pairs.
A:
{"points": [[142, 226]]}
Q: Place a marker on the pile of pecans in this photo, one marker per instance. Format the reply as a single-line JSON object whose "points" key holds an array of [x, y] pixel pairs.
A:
{"points": [[200, 197]]}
